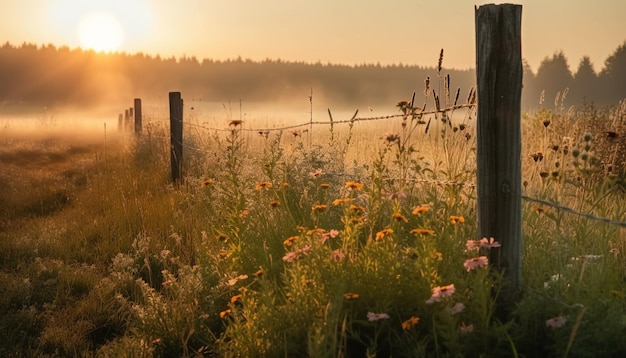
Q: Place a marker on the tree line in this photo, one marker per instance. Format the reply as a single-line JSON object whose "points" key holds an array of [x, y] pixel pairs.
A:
{"points": [[49, 75]]}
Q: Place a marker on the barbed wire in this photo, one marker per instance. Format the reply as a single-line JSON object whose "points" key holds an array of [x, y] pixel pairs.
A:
{"points": [[236, 124], [575, 212]]}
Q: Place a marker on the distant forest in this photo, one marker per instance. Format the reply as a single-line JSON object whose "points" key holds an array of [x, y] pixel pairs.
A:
{"points": [[48, 75]]}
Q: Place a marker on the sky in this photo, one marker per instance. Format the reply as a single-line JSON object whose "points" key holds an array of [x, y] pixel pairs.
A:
{"points": [[411, 32]]}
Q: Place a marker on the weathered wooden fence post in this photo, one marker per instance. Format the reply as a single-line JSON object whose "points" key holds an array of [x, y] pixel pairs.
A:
{"points": [[176, 135], [138, 125], [120, 122], [126, 119], [499, 84]]}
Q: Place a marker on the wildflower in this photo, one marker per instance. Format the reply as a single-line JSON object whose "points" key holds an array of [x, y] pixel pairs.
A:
{"points": [[488, 243], [316, 173], [381, 234], [398, 195], [354, 185], [409, 323], [457, 308], [472, 245], [391, 137], [223, 254], [207, 182], [319, 207], [538, 208], [235, 298], [167, 283], [556, 322], [259, 273], [317, 230], [324, 185], [274, 203], [333, 233], [235, 122], [234, 281], [466, 329], [438, 256], [338, 255], [341, 201], [423, 232], [261, 185], [420, 210], [165, 253], [284, 184], [225, 313], [289, 240], [222, 237], [456, 219], [372, 317], [291, 256], [294, 255], [351, 296], [476, 262], [244, 213], [400, 217], [357, 208], [440, 292]]}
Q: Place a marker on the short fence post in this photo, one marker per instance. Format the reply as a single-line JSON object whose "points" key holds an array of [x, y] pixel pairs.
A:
{"points": [[120, 122], [138, 125], [499, 85], [126, 119], [176, 135]]}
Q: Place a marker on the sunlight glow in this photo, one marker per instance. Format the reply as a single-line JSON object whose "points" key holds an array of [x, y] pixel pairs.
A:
{"points": [[100, 31]]}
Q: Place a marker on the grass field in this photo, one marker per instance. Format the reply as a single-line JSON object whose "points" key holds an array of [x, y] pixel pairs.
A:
{"points": [[356, 242]]}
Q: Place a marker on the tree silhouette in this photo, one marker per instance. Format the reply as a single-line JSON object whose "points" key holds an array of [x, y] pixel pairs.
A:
{"points": [[586, 84], [613, 76]]}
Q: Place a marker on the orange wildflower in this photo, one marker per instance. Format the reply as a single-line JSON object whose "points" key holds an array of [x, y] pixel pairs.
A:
{"points": [[324, 185], [354, 185], [456, 219], [274, 203], [351, 296], [357, 208], [319, 207], [400, 217], [423, 232], [261, 185], [381, 234], [340, 201], [420, 210], [225, 313], [409, 323], [235, 298]]}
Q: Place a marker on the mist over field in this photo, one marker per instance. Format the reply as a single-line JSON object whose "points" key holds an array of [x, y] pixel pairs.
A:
{"points": [[40, 79]]}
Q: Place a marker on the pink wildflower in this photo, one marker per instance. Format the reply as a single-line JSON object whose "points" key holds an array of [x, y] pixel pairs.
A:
{"points": [[466, 329], [371, 316], [476, 262], [338, 255], [291, 256], [556, 322], [488, 243], [440, 292], [316, 173], [457, 308], [472, 245]]}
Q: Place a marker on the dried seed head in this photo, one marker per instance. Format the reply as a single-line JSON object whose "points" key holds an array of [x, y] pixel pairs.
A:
{"points": [[587, 137], [546, 122]]}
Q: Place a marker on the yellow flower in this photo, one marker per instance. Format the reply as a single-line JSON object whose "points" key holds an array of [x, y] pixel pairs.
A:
{"points": [[400, 217], [324, 185], [354, 185], [420, 210], [207, 182], [357, 208], [409, 323], [289, 240], [225, 313], [456, 219], [284, 184], [262, 185], [351, 296], [423, 232], [381, 234], [538, 208], [235, 298], [340, 201], [319, 207]]}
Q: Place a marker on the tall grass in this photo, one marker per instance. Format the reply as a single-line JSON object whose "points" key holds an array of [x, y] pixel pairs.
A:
{"points": [[276, 247]]}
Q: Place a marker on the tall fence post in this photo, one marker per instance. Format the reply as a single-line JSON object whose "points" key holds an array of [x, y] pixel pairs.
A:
{"points": [[138, 125], [499, 85], [176, 135]]}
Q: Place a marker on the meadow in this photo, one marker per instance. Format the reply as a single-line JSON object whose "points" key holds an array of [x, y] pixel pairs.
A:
{"points": [[346, 240]]}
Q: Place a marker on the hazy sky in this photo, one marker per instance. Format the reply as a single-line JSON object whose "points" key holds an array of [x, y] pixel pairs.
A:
{"points": [[337, 31]]}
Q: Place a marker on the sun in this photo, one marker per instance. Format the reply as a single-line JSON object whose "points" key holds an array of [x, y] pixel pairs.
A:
{"points": [[100, 31]]}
